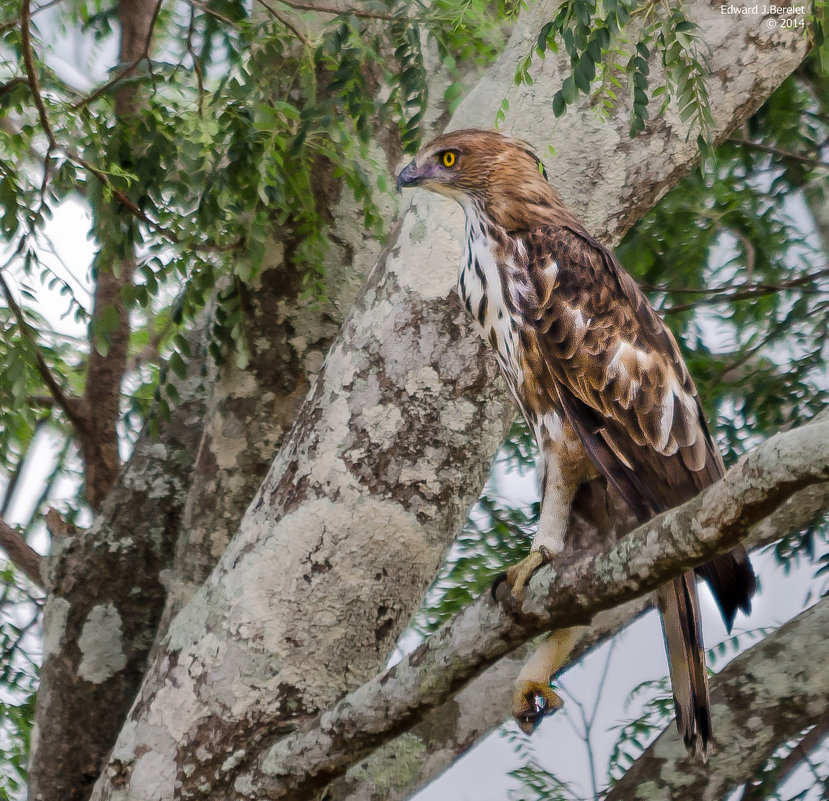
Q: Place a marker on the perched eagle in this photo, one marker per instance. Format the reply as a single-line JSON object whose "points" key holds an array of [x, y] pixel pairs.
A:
{"points": [[599, 379]]}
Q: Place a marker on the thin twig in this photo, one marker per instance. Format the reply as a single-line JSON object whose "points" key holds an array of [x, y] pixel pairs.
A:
{"points": [[126, 71], [745, 292], [31, 72], [286, 22], [69, 405], [11, 23], [197, 68], [717, 290], [140, 214], [800, 753], [8, 493], [216, 14], [589, 720], [813, 161], [356, 12]]}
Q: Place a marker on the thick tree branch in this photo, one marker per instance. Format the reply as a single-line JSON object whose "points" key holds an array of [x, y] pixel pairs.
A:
{"points": [[249, 412], [763, 698], [20, 553], [567, 595], [451, 728], [468, 715]]}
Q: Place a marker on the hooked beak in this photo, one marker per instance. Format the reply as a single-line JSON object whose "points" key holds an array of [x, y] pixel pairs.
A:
{"points": [[408, 176]]}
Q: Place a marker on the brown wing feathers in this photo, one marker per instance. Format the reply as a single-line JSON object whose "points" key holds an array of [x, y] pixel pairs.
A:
{"points": [[625, 389]]}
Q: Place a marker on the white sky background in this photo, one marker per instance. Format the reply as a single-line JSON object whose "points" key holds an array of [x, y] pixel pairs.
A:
{"points": [[639, 655]]}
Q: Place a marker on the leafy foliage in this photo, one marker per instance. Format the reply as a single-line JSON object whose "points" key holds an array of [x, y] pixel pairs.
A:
{"points": [[635, 734], [737, 250], [536, 783], [604, 44], [245, 113], [19, 616], [247, 120]]}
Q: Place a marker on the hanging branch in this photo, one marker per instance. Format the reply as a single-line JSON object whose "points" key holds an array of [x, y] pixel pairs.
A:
{"points": [[25, 558]]}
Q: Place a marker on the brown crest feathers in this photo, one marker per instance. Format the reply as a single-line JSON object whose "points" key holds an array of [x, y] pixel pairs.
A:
{"points": [[503, 176]]}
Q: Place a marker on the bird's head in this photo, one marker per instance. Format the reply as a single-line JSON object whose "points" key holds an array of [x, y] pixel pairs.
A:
{"points": [[488, 171]]}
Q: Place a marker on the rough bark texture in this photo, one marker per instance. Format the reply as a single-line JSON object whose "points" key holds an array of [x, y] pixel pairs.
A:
{"points": [[104, 602], [765, 697], [252, 409], [387, 453], [410, 761], [289, 333], [248, 413], [678, 540], [395, 771], [766, 781]]}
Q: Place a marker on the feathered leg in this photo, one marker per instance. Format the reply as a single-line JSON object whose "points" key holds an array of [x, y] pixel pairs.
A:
{"points": [[533, 697], [563, 465]]}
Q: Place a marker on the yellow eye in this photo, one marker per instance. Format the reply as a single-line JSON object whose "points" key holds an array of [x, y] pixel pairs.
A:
{"points": [[448, 159]]}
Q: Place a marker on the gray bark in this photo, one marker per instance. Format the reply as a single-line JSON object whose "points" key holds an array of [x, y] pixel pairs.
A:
{"points": [[104, 602], [388, 451], [568, 594], [159, 499], [412, 760], [252, 408], [763, 698], [289, 333], [407, 763]]}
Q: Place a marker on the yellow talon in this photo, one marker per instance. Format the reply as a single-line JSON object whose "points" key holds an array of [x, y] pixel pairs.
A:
{"points": [[517, 576]]}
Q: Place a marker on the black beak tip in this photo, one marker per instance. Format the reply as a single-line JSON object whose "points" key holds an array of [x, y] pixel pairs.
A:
{"points": [[407, 176]]}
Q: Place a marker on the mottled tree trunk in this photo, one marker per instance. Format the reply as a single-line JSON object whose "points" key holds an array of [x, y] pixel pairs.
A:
{"points": [[104, 601], [162, 524]]}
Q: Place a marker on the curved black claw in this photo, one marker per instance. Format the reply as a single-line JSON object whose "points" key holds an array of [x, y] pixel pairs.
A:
{"points": [[532, 703], [496, 583]]}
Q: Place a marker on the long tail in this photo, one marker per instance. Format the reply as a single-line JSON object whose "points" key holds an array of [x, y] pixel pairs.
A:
{"points": [[681, 626]]}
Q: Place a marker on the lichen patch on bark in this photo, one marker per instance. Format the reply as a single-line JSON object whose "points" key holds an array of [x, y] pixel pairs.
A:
{"points": [[101, 644], [54, 624]]}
